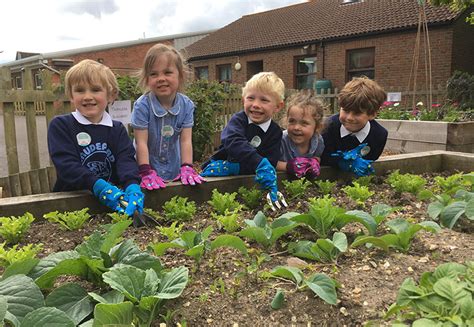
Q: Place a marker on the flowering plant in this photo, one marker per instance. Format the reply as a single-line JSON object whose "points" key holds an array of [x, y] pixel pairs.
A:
{"points": [[438, 112]]}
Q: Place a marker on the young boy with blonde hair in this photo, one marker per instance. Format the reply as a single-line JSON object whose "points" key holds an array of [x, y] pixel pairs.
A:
{"points": [[250, 142], [89, 150], [353, 138]]}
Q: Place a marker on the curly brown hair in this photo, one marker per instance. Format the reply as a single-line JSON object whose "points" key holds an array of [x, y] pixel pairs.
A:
{"points": [[306, 100]]}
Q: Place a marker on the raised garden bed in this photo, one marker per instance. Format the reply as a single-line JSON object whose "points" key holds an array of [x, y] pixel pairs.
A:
{"points": [[228, 288], [407, 136]]}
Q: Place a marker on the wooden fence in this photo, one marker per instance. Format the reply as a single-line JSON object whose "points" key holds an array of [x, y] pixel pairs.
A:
{"points": [[30, 103]]}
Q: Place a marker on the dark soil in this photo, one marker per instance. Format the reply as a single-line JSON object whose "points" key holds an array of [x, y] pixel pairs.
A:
{"points": [[222, 292]]}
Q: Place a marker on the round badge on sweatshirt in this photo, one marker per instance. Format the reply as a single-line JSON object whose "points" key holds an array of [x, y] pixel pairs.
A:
{"points": [[256, 141], [167, 131], [365, 150], [83, 139]]}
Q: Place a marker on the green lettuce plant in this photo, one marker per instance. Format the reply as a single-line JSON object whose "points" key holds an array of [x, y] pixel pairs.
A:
{"points": [[451, 184], [358, 193], [401, 237], [221, 202], [443, 297], [252, 197], [16, 254], [324, 217], [322, 286], [172, 232], [228, 220], [13, 229], [406, 182], [326, 187], [449, 210], [264, 233], [297, 187], [179, 209], [72, 220], [323, 250]]}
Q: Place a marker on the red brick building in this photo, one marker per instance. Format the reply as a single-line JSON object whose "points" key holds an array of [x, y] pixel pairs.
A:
{"points": [[336, 40], [123, 58]]}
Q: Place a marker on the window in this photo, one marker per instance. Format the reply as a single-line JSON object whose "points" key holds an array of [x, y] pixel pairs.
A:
{"points": [[18, 83], [305, 72], [361, 62], [38, 81], [202, 72], [224, 73], [254, 67]]}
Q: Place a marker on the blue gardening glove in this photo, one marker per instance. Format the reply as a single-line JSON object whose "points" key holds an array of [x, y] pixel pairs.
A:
{"points": [[109, 195], [134, 199], [221, 168], [267, 178], [352, 160]]}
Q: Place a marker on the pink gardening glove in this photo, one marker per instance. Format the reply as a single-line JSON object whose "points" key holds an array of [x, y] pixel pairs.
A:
{"points": [[188, 175], [150, 180], [301, 166]]}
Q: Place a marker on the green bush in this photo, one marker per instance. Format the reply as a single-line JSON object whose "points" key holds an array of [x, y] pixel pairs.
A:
{"points": [[460, 89], [128, 88], [208, 97]]}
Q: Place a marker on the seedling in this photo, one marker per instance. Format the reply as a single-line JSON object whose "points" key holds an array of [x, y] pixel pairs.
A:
{"points": [[179, 209], [172, 232], [325, 187], [358, 193], [13, 229], [449, 210], [221, 202], [297, 187], [15, 254], [406, 182], [228, 220], [323, 250], [72, 220], [252, 197]]}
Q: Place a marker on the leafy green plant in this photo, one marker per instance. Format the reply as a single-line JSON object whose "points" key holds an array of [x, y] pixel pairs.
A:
{"points": [[401, 237], [172, 232], [12, 229], [322, 285], [451, 184], [365, 180], [128, 88], [326, 186], [406, 182], [208, 97], [323, 250], [15, 254], [460, 87], [69, 220], [358, 193], [297, 187], [117, 217], [179, 209], [146, 291], [323, 217], [221, 202], [228, 221], [251, 197], [266, 234], [443, 297], [197, 244], [449, 210]]}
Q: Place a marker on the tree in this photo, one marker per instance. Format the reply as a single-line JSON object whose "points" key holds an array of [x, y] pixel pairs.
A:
{"points": [[456, 5]]}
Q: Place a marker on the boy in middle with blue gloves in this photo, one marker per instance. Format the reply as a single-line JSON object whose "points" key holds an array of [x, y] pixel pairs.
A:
{"points": [[250, 142]]}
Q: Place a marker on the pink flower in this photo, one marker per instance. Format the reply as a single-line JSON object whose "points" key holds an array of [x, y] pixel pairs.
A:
{"points": [[435, 105]]}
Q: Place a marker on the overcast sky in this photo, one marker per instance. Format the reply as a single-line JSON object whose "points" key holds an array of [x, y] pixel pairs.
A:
{"points": [[56, 25]]}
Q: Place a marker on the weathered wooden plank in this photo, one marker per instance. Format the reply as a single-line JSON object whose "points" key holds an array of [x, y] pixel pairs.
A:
{"points": [[31, 131], [44, 181], [52, 176], [27, 95], [10, 138], [5, 184], [35, 182], [15, 187], [25, 184]]}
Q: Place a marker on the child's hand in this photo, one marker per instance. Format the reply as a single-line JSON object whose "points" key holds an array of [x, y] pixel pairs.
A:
{"points": [[188, 176], [267, 178], [301, 166], [134, 199], [362, 167], [221, 168], [352, 161], [109, 195], [150, 180]]}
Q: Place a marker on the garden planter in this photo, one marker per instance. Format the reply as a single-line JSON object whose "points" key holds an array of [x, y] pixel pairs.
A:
{"points": [[408, 136], [39, 204]]}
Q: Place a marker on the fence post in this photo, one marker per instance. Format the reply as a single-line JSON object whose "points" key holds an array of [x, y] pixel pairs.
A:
{"points": [[10, 138], [32, 135]]}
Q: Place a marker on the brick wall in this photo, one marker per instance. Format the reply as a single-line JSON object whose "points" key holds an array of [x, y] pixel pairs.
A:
{"points": [[121, 60], [393, 59]]}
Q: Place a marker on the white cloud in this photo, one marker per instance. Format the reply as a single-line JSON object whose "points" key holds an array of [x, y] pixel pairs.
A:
{"points": [[55, 25]]}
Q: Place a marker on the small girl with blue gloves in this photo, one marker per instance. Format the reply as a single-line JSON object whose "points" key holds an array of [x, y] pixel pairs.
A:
{"points": [[162, 120], [302, 143], [90, 150]]}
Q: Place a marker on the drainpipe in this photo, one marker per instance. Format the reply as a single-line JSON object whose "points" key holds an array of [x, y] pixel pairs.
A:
{"points": [[321, 45]]}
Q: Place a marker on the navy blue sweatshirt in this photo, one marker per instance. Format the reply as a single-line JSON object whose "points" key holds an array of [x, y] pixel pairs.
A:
{"points": [[332, 141], [236, 143], [106, 153]]}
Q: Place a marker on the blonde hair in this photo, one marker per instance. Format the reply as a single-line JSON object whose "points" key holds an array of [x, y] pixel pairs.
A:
{"points": [[268, 83], [92, 72], [309, 103], [152, 55], [362, 95]]}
